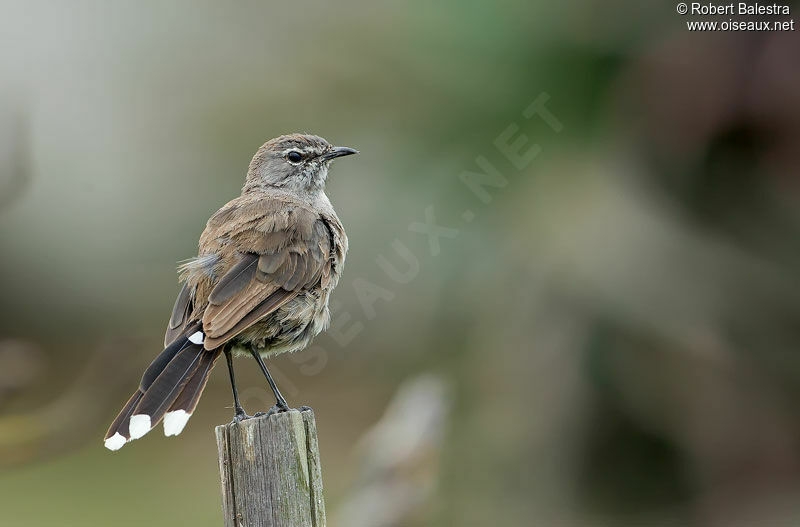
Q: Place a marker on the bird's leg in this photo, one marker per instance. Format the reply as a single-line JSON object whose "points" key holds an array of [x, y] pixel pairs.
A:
{"points": [[237, 406], [281, 405]]}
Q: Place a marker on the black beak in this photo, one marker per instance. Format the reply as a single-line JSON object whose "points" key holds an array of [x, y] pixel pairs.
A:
{"points": [[338, 151]]}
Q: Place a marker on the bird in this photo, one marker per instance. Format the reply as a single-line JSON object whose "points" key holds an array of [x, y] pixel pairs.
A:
{"points": [[259, 286]]}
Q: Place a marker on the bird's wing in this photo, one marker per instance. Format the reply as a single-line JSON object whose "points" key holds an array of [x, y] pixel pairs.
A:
{"points": [[283, 250]]}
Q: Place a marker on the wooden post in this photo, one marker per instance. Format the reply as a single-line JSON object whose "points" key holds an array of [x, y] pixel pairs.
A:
{"points": [[270, 471]]}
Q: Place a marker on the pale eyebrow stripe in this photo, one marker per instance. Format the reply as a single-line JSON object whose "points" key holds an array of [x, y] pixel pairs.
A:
{"points": [[302, 150]]}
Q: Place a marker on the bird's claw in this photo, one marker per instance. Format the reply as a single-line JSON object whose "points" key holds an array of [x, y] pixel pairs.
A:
{"points": [[240, 416], [278, 408]]}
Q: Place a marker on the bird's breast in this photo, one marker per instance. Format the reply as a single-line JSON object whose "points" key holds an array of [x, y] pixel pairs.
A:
{"points": [[290, 328]]}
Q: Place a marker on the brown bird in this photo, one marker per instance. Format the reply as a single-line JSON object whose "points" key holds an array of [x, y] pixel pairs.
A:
{"points": [[267, 263]]}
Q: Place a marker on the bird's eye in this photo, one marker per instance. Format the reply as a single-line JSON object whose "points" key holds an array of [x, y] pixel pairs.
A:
{"points": [[294, 156]]}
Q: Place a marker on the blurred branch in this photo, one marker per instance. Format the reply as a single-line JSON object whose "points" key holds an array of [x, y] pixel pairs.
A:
{"points": [[399, 457], [15, 163]]}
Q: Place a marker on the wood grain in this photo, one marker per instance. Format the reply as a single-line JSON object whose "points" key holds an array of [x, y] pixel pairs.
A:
{"points": [[270, 471]]}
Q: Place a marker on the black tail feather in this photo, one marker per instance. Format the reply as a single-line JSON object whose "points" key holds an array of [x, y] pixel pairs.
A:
{"points": [[162, 383], [166, 356], [183, 407], [165, 389], [118, 433]]}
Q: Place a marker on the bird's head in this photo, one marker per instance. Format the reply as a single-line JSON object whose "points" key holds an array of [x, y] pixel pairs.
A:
{"points": [[294, 162]]}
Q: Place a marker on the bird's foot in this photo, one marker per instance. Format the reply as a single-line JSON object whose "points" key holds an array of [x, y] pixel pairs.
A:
{"points": [[278, 408], [241, 415]]}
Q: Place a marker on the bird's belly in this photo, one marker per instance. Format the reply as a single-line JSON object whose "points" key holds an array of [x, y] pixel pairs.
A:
{"points": [[289, 328]]}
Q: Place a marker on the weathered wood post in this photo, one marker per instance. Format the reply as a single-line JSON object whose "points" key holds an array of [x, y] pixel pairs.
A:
{"points": [[270, 471]]}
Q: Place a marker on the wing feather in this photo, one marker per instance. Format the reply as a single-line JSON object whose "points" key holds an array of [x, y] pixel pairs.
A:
{"points": [[274, 268], [234, 280]]}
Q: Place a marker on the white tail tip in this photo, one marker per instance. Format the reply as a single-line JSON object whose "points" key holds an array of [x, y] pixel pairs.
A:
{"points": [[175, 421], [139, 425], [197, 337], [115, 442]]}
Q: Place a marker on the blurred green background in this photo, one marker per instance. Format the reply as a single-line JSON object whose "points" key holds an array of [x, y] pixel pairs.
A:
{"points": [[612, 340]]}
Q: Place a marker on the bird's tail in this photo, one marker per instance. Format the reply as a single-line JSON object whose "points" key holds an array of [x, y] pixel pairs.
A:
{"points": [[169, 390]]}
